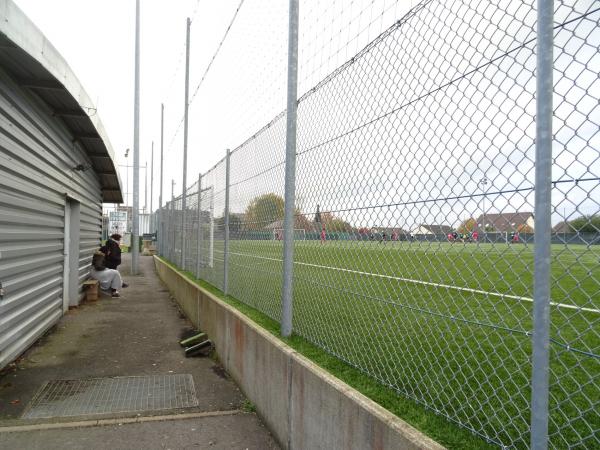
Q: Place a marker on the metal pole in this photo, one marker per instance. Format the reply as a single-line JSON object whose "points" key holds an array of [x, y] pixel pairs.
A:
{"points": [[211, 242], [484, 227], [151, 184], [173, 220], [564, 225], [146, 187], [127, 191], [226, 249], [160, 197], [290, 172], [199, 231], [543, 191], [185, 138], [483, 183], [135, 254]]}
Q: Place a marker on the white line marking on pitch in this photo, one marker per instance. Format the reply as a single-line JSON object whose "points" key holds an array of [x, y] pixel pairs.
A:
{"points": [[427, 283]]}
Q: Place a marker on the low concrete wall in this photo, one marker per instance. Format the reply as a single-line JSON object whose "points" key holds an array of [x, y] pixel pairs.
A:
{"points": [[304, 406]]}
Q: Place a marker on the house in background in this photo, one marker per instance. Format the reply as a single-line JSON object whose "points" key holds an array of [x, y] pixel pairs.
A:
{"points": [[431, 230], [521, 222], [56, 170], [562, 227]]}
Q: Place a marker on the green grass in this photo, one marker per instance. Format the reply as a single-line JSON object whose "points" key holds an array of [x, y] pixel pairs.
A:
{"points": [[464, 354]]}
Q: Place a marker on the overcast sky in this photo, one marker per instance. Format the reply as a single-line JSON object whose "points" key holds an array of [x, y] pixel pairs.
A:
{"points": [[97, 40], [246, 87]]}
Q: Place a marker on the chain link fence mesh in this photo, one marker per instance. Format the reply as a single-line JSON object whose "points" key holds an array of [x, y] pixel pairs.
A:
{"points": [[414, 223]]}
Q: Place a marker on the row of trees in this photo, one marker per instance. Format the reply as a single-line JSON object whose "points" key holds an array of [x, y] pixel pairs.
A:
{"points": [[470, 225], [583, 224], [269, 208]]}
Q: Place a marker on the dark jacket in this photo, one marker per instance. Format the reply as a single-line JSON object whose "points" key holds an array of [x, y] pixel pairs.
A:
{"points": [[112, 250]]}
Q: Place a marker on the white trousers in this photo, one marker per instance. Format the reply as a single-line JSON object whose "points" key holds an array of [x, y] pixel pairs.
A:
{"points": [[108, 279]]}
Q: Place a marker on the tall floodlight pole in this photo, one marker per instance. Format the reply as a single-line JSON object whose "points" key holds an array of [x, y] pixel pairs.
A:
{"points": [[185, 138], [160, 197], [126, 178], [290, 171], [543, 210], [146, 187], [151, 187], [135, 247]]}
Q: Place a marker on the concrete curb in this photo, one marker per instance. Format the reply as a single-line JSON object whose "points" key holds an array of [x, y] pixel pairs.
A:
{"points": [[118, 421], [304, 406]]}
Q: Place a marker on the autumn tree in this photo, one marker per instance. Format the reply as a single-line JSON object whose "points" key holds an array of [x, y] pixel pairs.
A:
{"points": [[524, 228], [468, 226], [264, 210]]}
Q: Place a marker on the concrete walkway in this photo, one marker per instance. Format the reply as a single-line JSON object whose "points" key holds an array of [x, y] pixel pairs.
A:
{"points": [[135, 335]]}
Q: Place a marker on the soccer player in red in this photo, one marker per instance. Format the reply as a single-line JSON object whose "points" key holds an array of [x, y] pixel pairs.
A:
{"points": [[323, 235]]}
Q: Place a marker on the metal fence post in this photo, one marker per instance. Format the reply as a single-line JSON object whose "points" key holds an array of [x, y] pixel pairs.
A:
{"points": [[543, 191], [185, 140], [161, 231], [226, 248], [211, 242], [173, 229], [151, 209], [199, 231], [135, 244], [290, 171]]}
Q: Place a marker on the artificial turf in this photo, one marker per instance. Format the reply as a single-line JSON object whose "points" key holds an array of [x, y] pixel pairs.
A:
{"points": [[426, 323]]}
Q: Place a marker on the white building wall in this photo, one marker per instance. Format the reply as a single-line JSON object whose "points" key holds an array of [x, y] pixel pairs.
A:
{"points": [[37, 157]]}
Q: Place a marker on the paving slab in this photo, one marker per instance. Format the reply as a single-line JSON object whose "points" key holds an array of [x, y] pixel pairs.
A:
{"points": [[241, 431], [135, 335]]}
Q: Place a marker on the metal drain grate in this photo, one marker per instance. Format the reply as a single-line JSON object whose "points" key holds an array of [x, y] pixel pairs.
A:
{"points": [[63, 398]]}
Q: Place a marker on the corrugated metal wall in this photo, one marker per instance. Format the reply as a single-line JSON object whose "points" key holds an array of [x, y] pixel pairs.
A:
{"points": [[37, 157]]}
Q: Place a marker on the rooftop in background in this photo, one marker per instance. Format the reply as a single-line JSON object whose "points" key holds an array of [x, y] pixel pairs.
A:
{"points": [[31, 60], [441, 230], [508, 222]]}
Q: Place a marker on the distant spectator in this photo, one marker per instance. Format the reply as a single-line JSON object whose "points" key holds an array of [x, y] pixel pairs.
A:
{"points": [[112, 251], [109, 279], [394, 235], [475, 236]]}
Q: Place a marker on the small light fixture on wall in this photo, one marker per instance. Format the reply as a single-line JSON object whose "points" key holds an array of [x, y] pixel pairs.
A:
{"points": [[82, 167]]}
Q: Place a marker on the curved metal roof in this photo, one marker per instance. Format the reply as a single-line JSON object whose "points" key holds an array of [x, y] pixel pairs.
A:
{"points": [[35, 64]]}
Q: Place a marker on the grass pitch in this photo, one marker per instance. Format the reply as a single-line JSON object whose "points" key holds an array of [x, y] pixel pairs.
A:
{"points": [[446, 325]]}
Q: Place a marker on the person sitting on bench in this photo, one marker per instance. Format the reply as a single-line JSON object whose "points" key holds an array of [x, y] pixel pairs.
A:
{"points": [[109, 279]]}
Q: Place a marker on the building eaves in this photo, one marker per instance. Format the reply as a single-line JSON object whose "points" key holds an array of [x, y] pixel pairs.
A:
{"points": [[33, 63]]}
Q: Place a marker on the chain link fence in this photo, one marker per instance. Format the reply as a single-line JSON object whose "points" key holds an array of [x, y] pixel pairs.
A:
{"points": [[414, 225]]}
